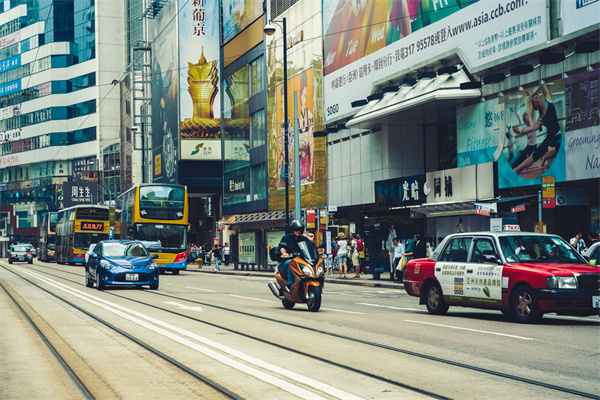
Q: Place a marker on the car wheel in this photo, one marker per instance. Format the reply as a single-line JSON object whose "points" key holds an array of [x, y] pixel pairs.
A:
{"points": [[435, 300], [30, 262], [524, 306], [88, 282], [9, 261], [99, 284], [288, 304], [154, 286], [175, 272]]}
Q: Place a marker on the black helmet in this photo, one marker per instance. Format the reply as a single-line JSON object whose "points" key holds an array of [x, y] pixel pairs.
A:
{"points": [[297, 226]]}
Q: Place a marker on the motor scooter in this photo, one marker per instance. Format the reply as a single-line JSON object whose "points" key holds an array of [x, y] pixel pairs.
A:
{"points": [[309, 278]]}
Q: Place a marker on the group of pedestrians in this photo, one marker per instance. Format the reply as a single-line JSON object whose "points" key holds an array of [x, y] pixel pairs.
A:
{"points": [[414, 248], [580, 244], [217, 253], [349, 254]]}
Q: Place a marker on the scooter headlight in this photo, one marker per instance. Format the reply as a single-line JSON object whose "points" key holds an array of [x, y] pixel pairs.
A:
{"points": [[320, 271], [308, 272]]}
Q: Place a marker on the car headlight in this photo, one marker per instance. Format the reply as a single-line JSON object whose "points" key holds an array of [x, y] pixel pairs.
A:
{"points": [[320, 271], [308, 271], [153, 265], [106, 265], [561, 282]]}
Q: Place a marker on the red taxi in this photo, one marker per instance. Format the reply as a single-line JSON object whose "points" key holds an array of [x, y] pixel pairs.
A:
{"points": [[525, 275]]}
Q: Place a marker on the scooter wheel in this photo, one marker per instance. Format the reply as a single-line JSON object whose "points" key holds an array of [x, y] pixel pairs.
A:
{"points": [[314, 298], [288, 304]]}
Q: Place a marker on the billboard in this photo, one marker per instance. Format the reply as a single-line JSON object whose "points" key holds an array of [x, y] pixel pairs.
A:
{"points": [[165, 96], [582, 134], [362, 44], [200, 104], [237, 15], [300, 86], [578, 14], [82, 192]]}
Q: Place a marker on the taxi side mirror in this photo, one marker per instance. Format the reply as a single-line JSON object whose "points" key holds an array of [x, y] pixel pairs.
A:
{"points": [[94, 255], [154, 256]]}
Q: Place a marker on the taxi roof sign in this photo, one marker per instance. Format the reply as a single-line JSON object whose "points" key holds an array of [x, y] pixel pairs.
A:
{"points": [[511, 228]]}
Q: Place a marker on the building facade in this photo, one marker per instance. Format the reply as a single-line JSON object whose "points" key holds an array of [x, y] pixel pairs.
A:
{"points": [[57, 62]]}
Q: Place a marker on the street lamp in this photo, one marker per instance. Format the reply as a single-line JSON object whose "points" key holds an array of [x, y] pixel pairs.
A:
{"points": [[269, 30]]}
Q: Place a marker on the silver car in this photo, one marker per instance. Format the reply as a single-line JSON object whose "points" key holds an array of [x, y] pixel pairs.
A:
{"points": [[20, 252]]}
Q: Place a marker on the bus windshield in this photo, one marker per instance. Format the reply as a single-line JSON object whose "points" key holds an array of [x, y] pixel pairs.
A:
{"points": [[162, 202], [53, 219], [169, 236]]}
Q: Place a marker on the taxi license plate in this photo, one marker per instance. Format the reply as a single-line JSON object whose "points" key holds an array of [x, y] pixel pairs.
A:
{"points": [[132, 277], [595, 301]]}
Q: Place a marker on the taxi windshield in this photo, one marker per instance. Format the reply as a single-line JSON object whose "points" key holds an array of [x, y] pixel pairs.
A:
{"points": [[538, 248]]}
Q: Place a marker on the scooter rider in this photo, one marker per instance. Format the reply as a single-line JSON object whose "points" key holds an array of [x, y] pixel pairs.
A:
{"points": [[288, 245]]}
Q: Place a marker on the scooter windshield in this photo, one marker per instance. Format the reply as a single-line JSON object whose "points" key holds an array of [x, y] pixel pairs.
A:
{"points": [[309, 251]]}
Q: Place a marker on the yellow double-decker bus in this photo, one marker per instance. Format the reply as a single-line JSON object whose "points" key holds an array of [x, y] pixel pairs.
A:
{"points": [[158, 215], [77, 227]]}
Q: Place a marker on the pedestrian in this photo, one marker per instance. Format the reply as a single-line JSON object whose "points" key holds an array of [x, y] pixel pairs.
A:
{"points": [[217, 257], [360, 247], [354, 256], [420, 250], [207, 254], [578, 243], [429, 247], [226, 253], [192, 254], [438, 241], [342, 254], [398, 253], [199, 255]]}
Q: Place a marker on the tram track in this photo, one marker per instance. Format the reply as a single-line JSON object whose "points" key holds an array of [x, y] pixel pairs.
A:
{"points": [[474, 368], [64, 361]]}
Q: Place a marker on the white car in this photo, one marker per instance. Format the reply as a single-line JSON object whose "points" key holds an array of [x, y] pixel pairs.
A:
{"points": [[89, 251], [593, 254]]}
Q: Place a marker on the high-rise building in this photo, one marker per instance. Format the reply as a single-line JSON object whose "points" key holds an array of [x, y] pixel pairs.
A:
{"points": [[60, 62]]}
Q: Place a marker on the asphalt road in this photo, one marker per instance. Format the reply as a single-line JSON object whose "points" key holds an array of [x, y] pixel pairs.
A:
{"points": [[232, 338]]}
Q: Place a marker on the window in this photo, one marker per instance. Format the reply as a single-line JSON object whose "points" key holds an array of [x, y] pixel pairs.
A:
{"points": [[259, 182], [457, 250], [483, 247], [258, 129], [257, 76]]}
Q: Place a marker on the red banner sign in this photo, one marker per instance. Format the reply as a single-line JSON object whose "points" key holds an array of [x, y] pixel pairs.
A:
{"points": [[518, 208], [92, 226]]}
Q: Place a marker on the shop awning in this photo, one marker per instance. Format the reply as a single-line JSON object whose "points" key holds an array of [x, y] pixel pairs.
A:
{"points": [[442, 87], [449, 208], [259, 220]]}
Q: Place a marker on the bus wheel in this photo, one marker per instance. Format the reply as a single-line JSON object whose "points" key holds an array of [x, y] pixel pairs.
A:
{"points": [[175, 272]]}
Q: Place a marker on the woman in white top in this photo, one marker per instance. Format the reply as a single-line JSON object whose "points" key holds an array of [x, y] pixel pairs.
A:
{"points": [[342, 254]]}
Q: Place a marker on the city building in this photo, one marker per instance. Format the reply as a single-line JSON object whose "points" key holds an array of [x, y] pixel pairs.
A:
{"points": [[60, 62]]}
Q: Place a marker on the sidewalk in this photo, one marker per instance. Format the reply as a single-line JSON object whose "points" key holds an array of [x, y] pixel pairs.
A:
{"points": [[364, 280]]}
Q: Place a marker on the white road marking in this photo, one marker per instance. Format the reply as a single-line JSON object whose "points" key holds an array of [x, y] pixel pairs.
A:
{"points": [[344, 311], [469, 329], [183, 306], [197, 288], [390, 307], [137, 318], [250, 298]]}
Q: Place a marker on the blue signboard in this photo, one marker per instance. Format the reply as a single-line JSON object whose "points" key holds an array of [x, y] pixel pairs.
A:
{"points": [[10, 63]]}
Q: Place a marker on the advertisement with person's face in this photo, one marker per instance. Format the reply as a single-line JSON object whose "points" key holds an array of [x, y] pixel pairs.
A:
{"points": [[533, 145], [300, 86], [237, 15]]}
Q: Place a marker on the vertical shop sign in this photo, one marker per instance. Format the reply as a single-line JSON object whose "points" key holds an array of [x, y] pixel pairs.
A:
{"points": [[311, 222], [548, 192]]}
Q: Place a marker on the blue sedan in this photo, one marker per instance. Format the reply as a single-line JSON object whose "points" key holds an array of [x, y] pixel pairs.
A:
{"points": [[121, 262]]}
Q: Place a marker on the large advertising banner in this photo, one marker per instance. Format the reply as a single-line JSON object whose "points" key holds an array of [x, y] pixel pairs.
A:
{"points": [[582, 134], [479, 131], [165, 95], [237, 15], [361, 46], [300, 86], [534, 136], [579, 14], [200, 104]]}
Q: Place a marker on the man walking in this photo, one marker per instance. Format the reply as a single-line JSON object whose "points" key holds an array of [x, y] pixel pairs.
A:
{"points": [[226, 253]]}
